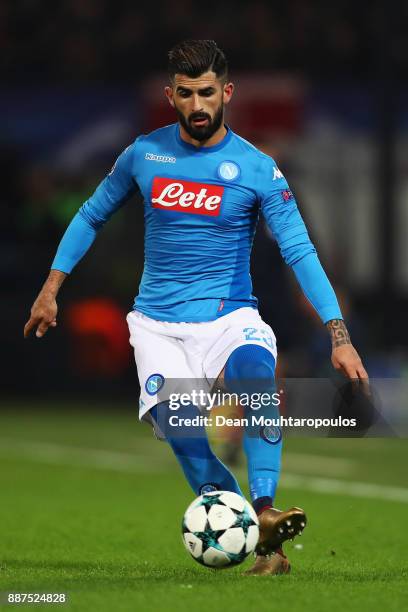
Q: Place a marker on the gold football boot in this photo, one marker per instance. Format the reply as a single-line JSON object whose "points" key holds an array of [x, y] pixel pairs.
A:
{"points": [[275, 527]]}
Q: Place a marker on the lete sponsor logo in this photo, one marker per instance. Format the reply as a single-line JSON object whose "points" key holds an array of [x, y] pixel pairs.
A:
{"points": [[187, 196]]}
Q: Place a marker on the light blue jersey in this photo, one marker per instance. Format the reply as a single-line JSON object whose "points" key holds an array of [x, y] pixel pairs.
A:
{"points": [[201, 207]]}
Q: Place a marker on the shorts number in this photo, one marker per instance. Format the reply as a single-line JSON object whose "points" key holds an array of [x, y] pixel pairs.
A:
{"points": [[250, 335]]}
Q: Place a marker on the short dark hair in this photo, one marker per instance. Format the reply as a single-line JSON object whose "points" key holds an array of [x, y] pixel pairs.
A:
{"points": [[194, 57]]}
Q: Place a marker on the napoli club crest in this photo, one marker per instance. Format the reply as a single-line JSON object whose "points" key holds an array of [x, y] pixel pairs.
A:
{"points": [[154, 383], [272, 435], [228, 171]]}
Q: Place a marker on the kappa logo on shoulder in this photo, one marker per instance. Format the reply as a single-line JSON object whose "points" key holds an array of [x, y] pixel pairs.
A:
{"points": [[112, 170], [277, 174], [187, 196]]}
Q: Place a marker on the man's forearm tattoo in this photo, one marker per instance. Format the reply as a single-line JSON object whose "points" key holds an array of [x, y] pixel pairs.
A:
{"points": [[338, 332]]}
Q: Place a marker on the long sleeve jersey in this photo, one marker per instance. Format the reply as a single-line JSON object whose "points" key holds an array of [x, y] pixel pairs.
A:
{"points": [[201, 207]]}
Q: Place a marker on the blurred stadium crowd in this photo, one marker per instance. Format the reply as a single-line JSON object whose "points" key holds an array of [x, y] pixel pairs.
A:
{"points": [[91, 40], [82, 78]]}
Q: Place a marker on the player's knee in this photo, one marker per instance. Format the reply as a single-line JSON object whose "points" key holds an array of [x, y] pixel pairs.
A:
{"points": [[188, 441], [183, 423], [250, 368]]}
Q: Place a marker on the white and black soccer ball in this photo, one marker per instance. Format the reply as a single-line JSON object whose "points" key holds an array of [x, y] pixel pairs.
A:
{"points": [[220, 529]]}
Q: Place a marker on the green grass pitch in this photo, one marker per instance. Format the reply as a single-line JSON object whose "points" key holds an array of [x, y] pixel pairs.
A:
{"points": [[91, 505]]}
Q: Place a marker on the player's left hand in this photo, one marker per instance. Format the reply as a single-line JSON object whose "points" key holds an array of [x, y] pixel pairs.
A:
{"points": [[346, 359]]}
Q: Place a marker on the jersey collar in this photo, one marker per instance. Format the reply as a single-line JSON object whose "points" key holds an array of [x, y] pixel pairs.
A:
{"points": [[203, 150]]}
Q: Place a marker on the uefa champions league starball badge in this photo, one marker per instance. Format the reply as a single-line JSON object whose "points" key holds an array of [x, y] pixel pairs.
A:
{"points": [[228, 171]]}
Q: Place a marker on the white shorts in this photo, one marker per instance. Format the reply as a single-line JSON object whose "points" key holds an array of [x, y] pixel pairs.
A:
{"points": [[190, 351]]}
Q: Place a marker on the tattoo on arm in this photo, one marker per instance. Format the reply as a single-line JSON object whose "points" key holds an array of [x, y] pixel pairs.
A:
{"points": [[338, 332]]}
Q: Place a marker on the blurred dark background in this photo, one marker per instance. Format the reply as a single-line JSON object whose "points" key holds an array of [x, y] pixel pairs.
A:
{"points": [[320, 86]]}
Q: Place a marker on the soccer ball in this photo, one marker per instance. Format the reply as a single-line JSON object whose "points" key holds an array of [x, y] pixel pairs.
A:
{"points": [[220, 529]]}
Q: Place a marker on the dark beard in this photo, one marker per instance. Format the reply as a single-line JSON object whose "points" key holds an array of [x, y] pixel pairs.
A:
{"points": [[202, 133]]}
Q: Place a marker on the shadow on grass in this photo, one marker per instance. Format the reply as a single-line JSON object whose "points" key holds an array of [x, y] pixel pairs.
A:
{"points": [[113, 572], [121, 573]]}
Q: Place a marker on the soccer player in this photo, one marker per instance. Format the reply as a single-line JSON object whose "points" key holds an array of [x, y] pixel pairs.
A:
{"points": [[195, 316]]}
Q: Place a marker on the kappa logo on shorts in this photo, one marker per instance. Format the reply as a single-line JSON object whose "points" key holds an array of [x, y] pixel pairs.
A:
{"points": [[154, 383], [272, 435], [187, 196]]}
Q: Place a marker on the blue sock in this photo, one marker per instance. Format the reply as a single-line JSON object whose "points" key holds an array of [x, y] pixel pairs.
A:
{"points": [[251, 369], [203, 470]]}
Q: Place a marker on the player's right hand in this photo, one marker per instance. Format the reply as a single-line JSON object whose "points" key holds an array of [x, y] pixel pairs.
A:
{"points": [[43, 315]]}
